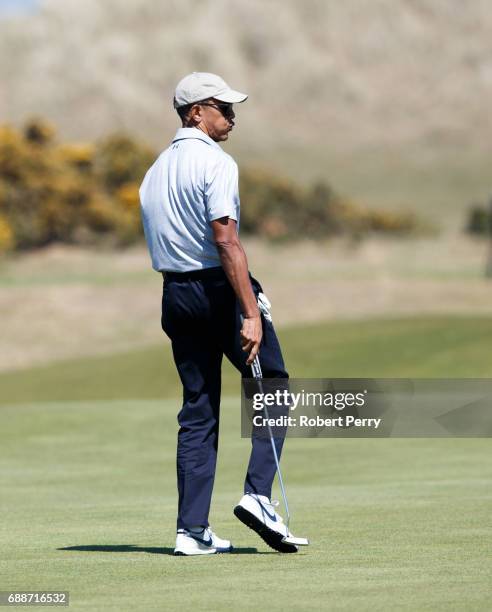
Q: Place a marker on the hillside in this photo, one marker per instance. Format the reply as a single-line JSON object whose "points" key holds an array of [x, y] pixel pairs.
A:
{"points": [[387, 97], [354, 73]]}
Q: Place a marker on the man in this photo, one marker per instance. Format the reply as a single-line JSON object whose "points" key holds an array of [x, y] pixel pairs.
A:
{"points": [[190, 212]]}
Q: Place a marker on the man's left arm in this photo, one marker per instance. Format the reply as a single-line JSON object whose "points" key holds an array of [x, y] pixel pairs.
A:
{"points": [[234, 261]]}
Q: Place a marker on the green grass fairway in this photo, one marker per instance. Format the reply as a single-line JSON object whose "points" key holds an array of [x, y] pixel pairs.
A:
{"points": [[446, 347], [88, 505], [88, 494]]}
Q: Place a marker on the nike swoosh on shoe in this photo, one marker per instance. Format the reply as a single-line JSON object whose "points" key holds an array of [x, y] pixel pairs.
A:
{"points": [[272, 517], [200, 540]]}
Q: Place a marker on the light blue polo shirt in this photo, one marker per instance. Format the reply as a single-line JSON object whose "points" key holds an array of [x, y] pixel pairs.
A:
{"points": [[192, 183]]}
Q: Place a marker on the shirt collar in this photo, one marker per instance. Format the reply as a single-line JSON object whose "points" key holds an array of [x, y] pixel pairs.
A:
{"points": [[183, 133]]}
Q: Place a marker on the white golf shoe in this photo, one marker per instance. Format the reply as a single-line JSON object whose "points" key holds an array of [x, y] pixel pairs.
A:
{"points": [[258, 513], [200, 542]]}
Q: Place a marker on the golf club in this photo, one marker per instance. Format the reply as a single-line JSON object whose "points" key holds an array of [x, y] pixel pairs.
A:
{"points": [[258, 376]]}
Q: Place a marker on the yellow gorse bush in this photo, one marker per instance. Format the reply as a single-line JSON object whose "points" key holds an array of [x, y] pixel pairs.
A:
{"points": [[280, 210], [79, 155], [128, 195], [6, 235], [75, 192], [88, 192]]}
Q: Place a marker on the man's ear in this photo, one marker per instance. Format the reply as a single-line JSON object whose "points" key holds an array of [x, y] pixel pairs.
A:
{"points": [[195, 115]]}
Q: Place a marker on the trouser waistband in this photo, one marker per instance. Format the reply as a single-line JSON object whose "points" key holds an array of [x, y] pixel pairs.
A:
{"points": [[217, 272]]}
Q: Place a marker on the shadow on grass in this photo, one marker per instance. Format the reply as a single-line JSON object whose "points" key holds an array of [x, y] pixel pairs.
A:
{"points": [[152, 549]]}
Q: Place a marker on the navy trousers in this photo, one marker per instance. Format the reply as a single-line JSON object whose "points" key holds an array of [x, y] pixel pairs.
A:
{"points": [[201, 316]]}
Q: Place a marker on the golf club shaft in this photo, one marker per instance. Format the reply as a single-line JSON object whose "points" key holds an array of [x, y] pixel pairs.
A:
{"points": [[257, 374]]}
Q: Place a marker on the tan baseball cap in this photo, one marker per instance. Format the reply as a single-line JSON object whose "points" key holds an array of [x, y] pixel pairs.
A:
{"points": [[199, 86]]}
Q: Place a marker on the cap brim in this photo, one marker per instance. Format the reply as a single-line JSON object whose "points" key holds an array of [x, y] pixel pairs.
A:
{"points": [[231, 96]]}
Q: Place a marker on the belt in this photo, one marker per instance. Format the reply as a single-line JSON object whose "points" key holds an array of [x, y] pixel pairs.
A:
{"points": [[217, 272]]}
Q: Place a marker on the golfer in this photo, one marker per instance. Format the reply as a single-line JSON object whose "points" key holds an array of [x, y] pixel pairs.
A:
{"points": [[190, 211]]}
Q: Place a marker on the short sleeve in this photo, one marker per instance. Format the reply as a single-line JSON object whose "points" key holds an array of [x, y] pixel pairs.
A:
{"points": [[221, 189]]}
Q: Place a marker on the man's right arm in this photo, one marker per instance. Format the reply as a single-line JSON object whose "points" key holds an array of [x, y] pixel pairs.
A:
{"points": [[235, 264]]}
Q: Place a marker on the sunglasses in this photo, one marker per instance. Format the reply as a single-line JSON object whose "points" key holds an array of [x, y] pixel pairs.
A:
{"points": [[225, 107]]}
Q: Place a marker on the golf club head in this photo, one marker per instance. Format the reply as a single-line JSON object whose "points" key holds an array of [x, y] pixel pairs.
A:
{"points": [[290, 539]]}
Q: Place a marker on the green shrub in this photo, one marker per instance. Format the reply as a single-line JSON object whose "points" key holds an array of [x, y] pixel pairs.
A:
{"points": [[278, 209], [479, 220]]}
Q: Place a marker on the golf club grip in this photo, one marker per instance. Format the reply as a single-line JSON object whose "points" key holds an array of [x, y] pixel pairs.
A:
{"points": [[255, 366]]}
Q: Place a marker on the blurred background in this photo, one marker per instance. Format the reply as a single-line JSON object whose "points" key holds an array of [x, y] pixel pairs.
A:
{"points": [[364, 152]]}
